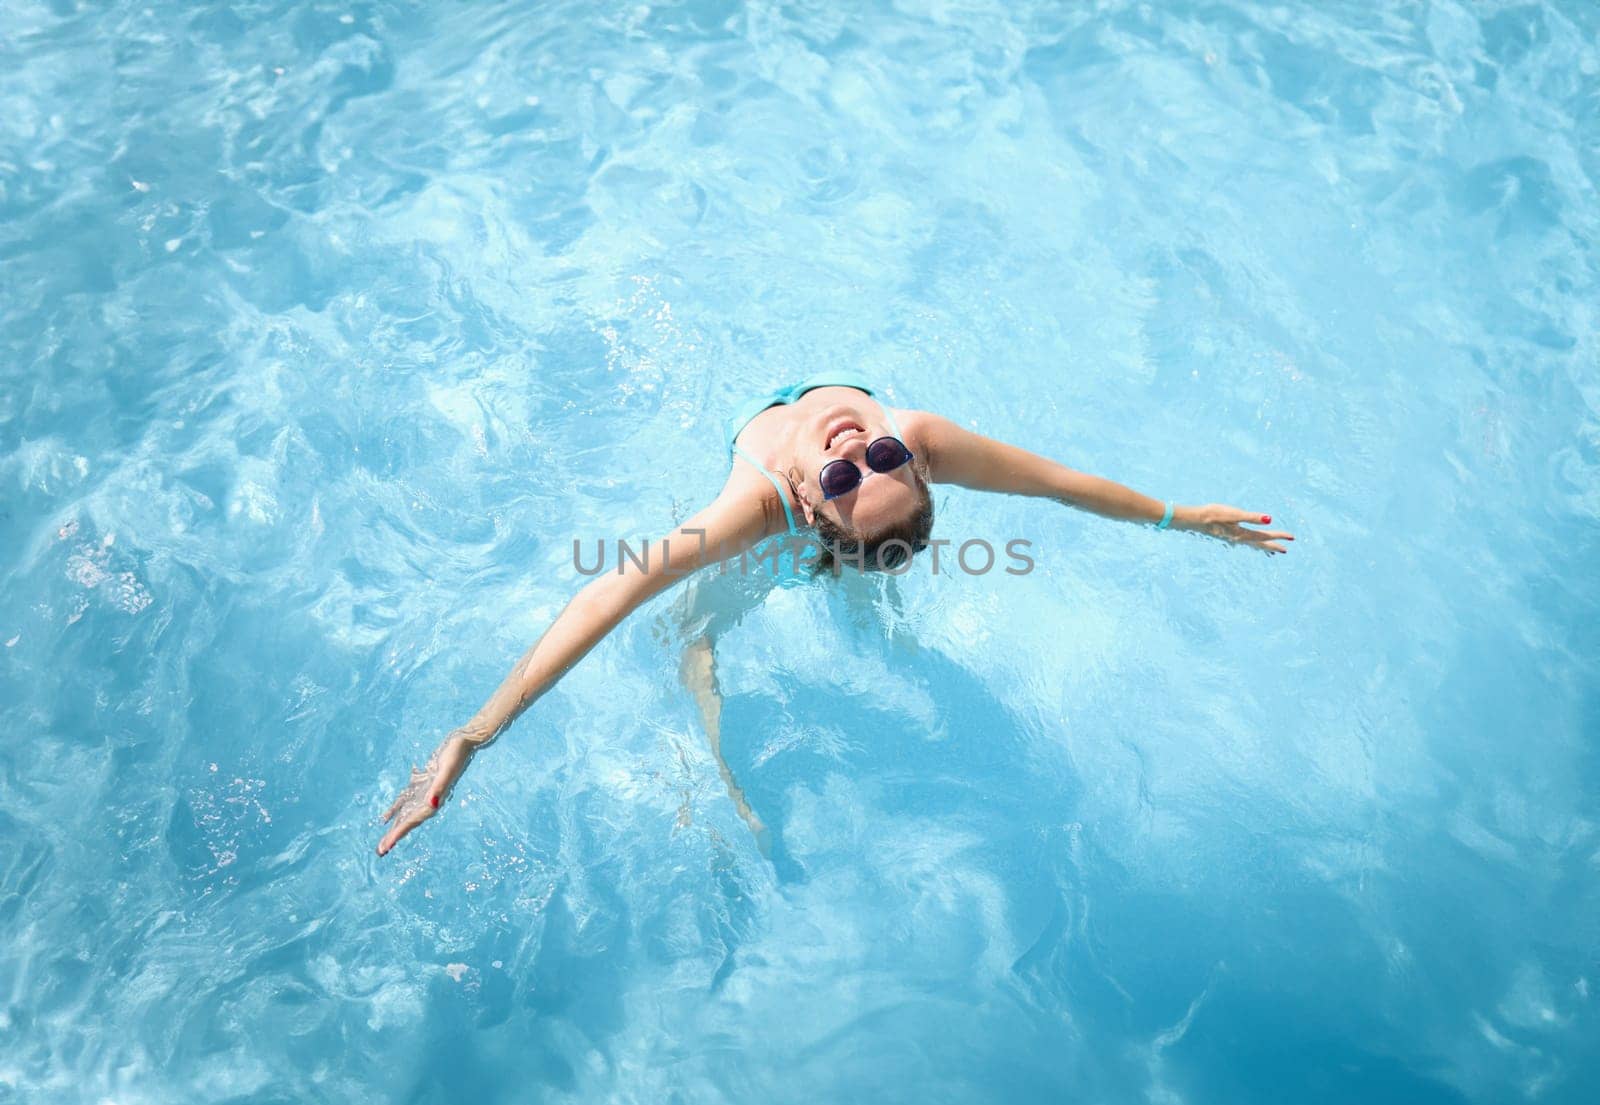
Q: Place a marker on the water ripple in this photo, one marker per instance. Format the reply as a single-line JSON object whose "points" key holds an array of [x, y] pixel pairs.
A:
{"points": [[325, 328]]}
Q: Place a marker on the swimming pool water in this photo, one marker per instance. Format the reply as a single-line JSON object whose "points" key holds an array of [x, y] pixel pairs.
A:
{"points": [[325, 328]]}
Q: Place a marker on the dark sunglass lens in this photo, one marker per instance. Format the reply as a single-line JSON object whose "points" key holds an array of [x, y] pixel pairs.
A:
{"points": [[886, 454], [838, 477]]}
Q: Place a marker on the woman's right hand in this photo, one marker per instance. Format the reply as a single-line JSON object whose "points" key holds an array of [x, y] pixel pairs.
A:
{"points": [[428, 788]]}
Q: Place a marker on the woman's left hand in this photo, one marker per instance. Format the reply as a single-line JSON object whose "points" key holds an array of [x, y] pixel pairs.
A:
{"points": [[1225, 523]]}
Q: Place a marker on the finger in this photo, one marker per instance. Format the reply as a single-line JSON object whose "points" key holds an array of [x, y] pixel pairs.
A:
{"points": [[401, 828], [408, 796], [407, 792], [398, 802], [1272, 546], [1275, 535], [1254, 517]]}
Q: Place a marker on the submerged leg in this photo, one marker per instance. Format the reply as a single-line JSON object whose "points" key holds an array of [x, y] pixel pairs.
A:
{"points": [[699, 675]]}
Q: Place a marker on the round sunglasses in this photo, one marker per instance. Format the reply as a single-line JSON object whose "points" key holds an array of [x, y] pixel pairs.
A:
{"points": [[840, 477]]}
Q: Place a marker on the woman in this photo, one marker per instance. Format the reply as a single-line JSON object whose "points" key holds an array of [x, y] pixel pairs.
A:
{"points": [[856, 473]]}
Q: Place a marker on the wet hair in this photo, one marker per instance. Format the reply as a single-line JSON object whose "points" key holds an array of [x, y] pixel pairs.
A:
{"points": [[882, 550]]}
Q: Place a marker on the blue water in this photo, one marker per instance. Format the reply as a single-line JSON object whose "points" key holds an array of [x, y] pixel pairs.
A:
{"points": [[325, 328]]}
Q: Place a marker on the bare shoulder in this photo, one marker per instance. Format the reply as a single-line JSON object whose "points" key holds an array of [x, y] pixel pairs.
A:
{"points": [[930, 436], [747, 509], [918, 424]]}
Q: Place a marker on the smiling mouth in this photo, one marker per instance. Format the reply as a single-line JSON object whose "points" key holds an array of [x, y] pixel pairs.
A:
{"points": [[842, 430]]}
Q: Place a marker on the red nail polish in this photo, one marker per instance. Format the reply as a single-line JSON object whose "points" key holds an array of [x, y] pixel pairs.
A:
{"points": [[435, 801], [1266, 519]]}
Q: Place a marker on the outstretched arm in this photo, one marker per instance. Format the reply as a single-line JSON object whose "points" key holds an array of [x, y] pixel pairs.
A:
{"points": [[959, 456], [734, 522]]}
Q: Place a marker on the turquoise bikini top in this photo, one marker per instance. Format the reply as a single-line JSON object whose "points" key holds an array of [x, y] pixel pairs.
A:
{"points": [[784, 395]]}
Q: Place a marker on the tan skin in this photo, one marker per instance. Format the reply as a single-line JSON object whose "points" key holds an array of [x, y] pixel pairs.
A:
{"points": [[794, 440]]}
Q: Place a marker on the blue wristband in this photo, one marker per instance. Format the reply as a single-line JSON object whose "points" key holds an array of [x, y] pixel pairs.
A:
{"points": [[1166, 519]]}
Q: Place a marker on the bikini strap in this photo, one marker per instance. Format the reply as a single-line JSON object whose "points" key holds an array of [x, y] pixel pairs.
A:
{"points": [[776, 486], [887, 413]]}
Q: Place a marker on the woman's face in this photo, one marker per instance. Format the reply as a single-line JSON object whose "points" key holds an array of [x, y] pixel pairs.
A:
{"points": [[843, 431]]}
